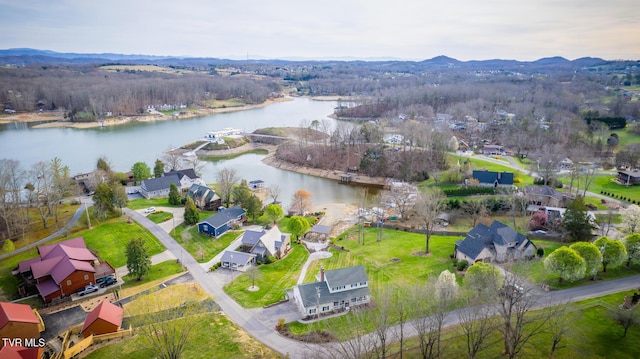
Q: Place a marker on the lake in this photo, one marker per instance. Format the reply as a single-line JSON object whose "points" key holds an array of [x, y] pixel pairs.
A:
{"points": [[146, 141]]}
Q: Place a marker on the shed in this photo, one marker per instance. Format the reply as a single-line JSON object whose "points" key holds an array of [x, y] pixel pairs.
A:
{"points": [[103, 319], [18, 321], [318, 232]]}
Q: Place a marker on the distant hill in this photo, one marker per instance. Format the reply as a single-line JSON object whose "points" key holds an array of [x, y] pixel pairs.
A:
{"points": [[27, 56]]}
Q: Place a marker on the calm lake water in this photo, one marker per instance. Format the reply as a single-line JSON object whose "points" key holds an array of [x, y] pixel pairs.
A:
{"points": [[124, 145]]}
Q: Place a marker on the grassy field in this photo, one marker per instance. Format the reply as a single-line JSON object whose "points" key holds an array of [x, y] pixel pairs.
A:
{"points": [[141, 203], [477, 163], [275, 279], [592, 334], [200, 246], [158, 271], [160, 216], [110, 240], [212, 335]]}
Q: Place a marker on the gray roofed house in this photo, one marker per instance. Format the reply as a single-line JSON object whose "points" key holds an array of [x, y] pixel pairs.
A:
{"points": [[545, 196], [204, 197], [158, 187], [496, 243], [239, 261], [335, 290], [495, 179], [186, 177], [266, 243]]}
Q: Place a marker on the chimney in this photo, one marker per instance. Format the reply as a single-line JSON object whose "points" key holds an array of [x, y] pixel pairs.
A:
{"points": [[322, 274]]}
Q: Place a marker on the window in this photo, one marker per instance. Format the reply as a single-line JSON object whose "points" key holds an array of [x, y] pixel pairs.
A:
{"points": [[205, 227], [312, 311], [363, 283], [86, 277], [354, 285], [68, 282], [353, 300], [325, 308]]}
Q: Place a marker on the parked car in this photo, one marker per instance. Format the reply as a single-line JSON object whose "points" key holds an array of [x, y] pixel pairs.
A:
{"points": [[88, 289], [109, 281], [101, 280], [150, 210]]}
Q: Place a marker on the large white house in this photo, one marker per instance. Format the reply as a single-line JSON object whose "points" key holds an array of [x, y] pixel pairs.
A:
{"points": [[334, 290]]}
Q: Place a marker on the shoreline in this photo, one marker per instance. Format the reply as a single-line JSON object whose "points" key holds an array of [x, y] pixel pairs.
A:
{"points": [[357, 179], [57, 118]]}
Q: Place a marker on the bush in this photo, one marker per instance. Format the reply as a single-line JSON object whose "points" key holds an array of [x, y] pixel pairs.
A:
{"points": [[469, 191], [540, 252], [462, 265]]}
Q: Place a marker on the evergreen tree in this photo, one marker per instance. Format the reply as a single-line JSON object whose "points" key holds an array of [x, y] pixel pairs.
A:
{"points": [[138, 260], [191, 215], [174, 195], [576, 221], [102, 201], [253, 206], [8, 246], [158, 168]]}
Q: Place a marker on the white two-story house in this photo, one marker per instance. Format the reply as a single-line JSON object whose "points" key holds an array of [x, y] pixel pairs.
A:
{"points": [[335, 290]]}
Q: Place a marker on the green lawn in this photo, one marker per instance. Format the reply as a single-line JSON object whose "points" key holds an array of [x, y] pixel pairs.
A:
{"points": [[480, 164], [591, 334], [160, 216], [604, 183], [157, 271], [626, 137], [200, 246], [110, 240], [275, 279], [213, 336], [141, 203]]}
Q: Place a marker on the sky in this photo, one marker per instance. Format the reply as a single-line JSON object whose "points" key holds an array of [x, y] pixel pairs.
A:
{"points": [[328, 29]]}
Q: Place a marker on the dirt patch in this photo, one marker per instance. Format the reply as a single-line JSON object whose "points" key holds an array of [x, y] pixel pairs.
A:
{"points": [[395, 260]]}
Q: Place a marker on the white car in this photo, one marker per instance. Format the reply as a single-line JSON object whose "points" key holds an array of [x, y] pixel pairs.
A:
{"points": [[150, 210], [88, 289]]}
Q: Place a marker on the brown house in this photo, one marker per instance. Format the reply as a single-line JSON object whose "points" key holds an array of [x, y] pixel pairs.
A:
{"points": [[19, 321], [103, 319], [545, 196], [61, 270]]}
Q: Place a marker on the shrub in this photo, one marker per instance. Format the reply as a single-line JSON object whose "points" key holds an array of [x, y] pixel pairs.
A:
{"points": [[462, 265], [540, 252]]}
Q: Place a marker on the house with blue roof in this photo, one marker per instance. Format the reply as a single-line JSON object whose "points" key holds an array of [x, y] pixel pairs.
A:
{"points": [[495, 179], [266, 243], [495, 243], [221, 222], [158, 187]]}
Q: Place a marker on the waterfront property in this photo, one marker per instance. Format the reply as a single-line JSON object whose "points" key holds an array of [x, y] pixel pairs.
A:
{"points": [[334, 290], [61, 270], [266, 243], [218, 136], [204, 197], [219, 223], [496, 243], [187, 177], [158, 187]]}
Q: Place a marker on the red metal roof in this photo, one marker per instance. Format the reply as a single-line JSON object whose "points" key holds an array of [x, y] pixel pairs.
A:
{"points": [[12, 312], [106, 311], [47, 287], [74, 242], [19, 352]]}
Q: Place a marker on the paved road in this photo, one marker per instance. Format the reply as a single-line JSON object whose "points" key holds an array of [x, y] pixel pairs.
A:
{"points": [[244, 318]]}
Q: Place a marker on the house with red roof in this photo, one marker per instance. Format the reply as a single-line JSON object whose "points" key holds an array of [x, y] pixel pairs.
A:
{"points": [[103, 319], [61, 270], [19, 321], [20, 352]]}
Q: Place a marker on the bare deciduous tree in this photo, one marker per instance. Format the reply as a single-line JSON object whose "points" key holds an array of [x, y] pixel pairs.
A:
{"points": [[477, 322], [227, 178], [273, 192], [428, 206]]}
